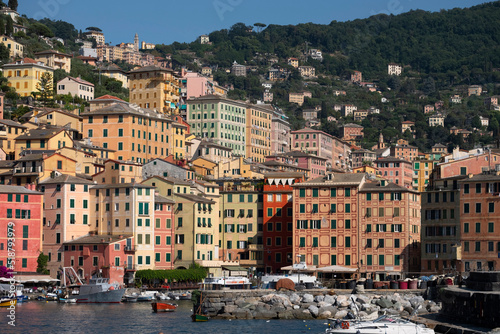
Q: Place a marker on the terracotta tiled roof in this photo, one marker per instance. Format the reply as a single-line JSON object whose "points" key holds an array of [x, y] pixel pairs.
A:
{"points": [[108, 97]]}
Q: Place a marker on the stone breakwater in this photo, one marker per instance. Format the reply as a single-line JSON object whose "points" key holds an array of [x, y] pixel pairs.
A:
{"points": [[312, 304]]}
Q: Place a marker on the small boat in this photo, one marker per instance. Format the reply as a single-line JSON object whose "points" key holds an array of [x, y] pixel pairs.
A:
{"points": [[8, 302], [199, 317], [185, 296], [67, 300], [165, 307], [131, 298], [51, 296], [22, 298]]}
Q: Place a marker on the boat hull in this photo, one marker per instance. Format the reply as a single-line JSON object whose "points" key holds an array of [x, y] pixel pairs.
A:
{"points": [[110, 296], [163, 307], [199, 318], [8, 303]]}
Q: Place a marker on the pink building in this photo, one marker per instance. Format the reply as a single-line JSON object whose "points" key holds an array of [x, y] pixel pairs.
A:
{"points": [[356, 76], [21, 222], [164, 233], [197, 85], [428, 108], [316, 165], [395, 171], [315, 142], [105, 255], [352, 132], [66, 215]]}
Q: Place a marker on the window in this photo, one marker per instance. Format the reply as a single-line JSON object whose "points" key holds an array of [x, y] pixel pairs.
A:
{"points": [[381, 260], [302, 193], [333, 192], [491, 227], [380, 243], [466, 227], [478, 207], [381, 212], [347, 192], [333, 208], [333, 225], [315, 242], [333, 242], [315, 208], [368, 243], [491, 207], [302, 208], [348, 208], [478, 227], [466, 208], [347, 242], [315, 192], [347, 223], [302, 242]]}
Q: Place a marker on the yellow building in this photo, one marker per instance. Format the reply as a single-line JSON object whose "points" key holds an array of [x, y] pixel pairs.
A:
{"points": [[259, 118], [55, 117], [16, 50], [204, 166], [179, 131], [42, 139], [55, 59], [154, 87], [116, 171], [196, 220], [9, 130], [126, 209], [114, 72], [238, 168], [25, 74]]}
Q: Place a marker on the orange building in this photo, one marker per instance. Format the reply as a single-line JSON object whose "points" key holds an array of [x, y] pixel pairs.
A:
{"points": [[342, 219], [136, 134]]}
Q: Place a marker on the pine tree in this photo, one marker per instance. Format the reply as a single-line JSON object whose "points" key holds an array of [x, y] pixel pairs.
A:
{"points": [[13, 4], [45, 88]]}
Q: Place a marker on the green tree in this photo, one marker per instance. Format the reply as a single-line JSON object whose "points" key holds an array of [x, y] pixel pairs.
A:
{"points": [[13, 4], [42, 264], [93, 29], [9, 27], [45, 89]]}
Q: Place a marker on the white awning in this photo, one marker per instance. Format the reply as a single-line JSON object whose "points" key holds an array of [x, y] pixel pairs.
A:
{"points": [[336, 269]]}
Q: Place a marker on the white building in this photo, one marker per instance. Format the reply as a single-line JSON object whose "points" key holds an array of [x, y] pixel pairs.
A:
{"points": [[484, 121], [436, 120], [76, 87], [394, 69], [88, 52]]}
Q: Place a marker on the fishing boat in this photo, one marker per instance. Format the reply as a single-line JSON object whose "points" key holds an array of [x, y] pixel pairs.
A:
{"points": [[130, 298], [8, 302], [163, 307], [197, 316], [99, 290], [147, 296]]}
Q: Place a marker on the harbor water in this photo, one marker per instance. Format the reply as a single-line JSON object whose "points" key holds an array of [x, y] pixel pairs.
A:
{"points": [[53, 317]]}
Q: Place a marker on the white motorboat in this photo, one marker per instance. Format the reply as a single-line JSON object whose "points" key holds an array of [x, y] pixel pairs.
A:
{"points": [[382, 325], [217, 283]]}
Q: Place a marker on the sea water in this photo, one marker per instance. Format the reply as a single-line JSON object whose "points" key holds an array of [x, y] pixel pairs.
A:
{"points": [[53, 317]]}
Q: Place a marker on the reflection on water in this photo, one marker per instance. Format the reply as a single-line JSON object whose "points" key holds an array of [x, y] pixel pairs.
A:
{"points": [[52, 317]]}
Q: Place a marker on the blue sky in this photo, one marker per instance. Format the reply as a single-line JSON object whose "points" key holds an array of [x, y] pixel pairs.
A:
{"points": [[166, 21]]}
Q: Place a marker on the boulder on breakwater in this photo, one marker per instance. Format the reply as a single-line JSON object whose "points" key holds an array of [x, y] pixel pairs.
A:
{"points": [[310, 304]]}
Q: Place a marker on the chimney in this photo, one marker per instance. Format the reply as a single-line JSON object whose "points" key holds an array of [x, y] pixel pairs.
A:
{"points": [[102, 240]]}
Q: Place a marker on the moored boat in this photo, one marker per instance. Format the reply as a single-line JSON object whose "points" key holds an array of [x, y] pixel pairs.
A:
{"points": [[8, 302], [163, 307], [99, 290], [199, 317], [382, 325]]}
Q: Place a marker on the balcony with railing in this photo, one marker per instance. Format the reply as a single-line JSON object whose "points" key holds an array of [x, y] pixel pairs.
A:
{"points": [[130, 249]]}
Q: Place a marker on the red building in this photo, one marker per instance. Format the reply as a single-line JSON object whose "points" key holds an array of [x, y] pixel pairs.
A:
{"points": [[21, 223], [164, 233], [100, 255], [395, 171], [278, 219]]}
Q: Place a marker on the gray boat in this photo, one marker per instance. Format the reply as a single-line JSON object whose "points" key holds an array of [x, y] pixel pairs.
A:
{"points": [[99, 290]]}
